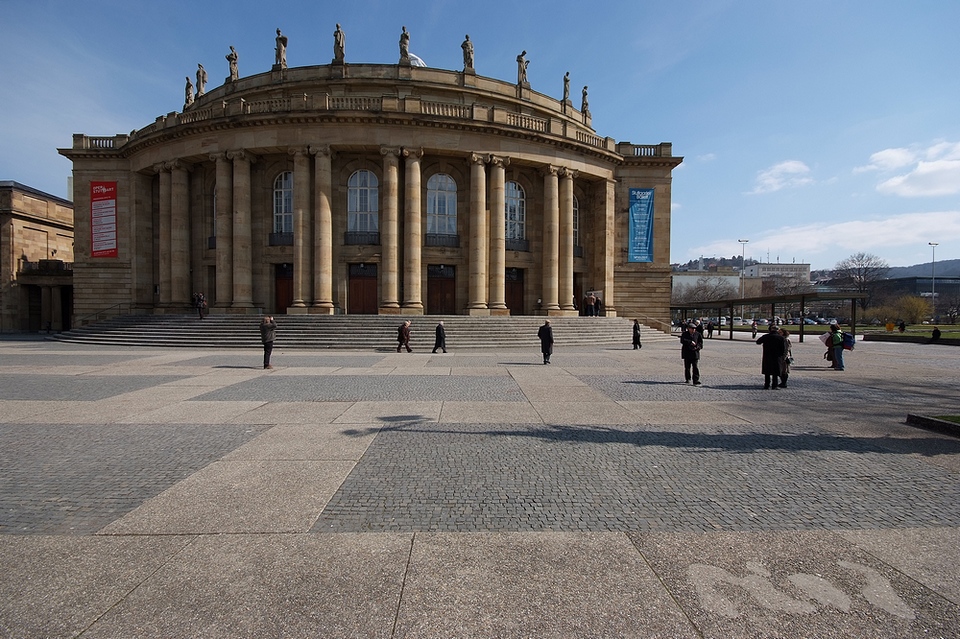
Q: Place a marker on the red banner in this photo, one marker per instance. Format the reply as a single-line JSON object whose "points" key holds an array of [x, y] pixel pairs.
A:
{"points": [[103, 219]]}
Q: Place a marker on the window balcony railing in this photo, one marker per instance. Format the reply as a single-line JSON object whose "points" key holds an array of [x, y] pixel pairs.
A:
{"points": [[281, 239], [212, 242], [362, 237], [578, 251], [441, 239], [518, 245]]}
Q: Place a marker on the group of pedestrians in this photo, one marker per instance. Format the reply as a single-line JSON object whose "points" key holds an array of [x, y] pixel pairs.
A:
{"points": [[774, 363]]}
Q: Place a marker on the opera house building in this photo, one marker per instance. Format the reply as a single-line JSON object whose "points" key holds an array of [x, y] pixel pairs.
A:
{"points": [[371, 188]]}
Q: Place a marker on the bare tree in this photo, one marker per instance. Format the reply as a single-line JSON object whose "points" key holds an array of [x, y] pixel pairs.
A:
{"points": [[859, 272], [706, 289]]}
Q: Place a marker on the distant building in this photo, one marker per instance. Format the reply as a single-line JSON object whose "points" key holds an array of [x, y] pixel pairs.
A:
{"points": [[796, 271], [36, 256]]}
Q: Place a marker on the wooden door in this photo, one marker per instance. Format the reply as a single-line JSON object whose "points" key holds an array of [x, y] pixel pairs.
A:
{"points": [[362, 290], [441, 290], [513, 290], [283, 288]]}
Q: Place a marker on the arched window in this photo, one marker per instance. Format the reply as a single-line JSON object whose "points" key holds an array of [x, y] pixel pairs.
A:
{"points": [[576, 221], [283, 203], [515, 204], [362, 202], [441, 205]]}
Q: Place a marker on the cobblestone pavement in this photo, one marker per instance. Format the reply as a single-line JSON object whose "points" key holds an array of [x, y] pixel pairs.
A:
{"points": [[174, 493]]}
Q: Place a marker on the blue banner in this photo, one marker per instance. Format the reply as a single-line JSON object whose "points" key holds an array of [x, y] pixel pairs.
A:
{"points": [[640, 239]]}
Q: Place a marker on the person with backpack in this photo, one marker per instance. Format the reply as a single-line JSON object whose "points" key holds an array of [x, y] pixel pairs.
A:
{"points": [[836, 343]]}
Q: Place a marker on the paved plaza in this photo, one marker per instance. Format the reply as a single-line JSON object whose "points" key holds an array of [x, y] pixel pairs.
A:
{"points": [[150, 492]]}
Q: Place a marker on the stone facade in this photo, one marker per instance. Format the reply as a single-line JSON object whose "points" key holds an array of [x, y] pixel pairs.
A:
{"points": [[36, 249], [360, 188]]}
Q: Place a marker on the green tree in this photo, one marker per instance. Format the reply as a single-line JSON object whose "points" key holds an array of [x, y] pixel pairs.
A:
{"points": [[913, 309]]}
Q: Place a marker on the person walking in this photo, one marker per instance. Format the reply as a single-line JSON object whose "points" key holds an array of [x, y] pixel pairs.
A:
{"points": [[403, 336], [546, 340], [636, 335], [710, 327], [753, 327], [268, 333], [773, 349], [691, 343], [441, 340], [787, 358], [836, 343]]}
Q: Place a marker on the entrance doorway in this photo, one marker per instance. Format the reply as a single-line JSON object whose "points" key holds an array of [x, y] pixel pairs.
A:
{"points": [[362, 290], [283, 287], [513, 290], [441, 290]]}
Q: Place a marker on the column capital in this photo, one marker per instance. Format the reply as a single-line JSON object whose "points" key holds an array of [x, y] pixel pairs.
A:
{"points": [[415, 154], [216, 157], [178, 164], [241, 154], [569, 173], [160, 167], [298, 151], [498, 160], [321, 150], [390, 151], [477, 158], [549, 170]]}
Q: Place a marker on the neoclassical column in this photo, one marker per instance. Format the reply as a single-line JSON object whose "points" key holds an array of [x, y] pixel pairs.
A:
{"points": [[498, 232], [323, 229], [478, 236], [390, 229], [163, 244], [179, 234], [607, 246], [242, 241], [46, 312], [551, 239], [412, 271], [302, 244], [224, 224], [56, 308], [566, 239]]}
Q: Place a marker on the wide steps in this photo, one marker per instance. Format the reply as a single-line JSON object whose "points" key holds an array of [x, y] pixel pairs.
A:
{"points": [[360, 332]]}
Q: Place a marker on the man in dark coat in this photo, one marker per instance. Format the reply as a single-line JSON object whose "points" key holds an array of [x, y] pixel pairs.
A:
{"points": [[774, 347], [268, 333], [441, 341], [636, 335], [546, 340], [403, 337], [691, 343]]}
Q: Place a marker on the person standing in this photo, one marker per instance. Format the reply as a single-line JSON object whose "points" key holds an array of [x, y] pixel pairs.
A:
{"points": [[441, 340], [546, 340], [590, 304], [201, 303], [268, 333], [787, 358], [773, 349], [403, 337], [710, 327], [691, 343], [836, 343], [636, 335], [753, 327]]}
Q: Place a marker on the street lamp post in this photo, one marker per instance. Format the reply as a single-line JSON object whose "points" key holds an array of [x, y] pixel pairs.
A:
{"points": [[743, 246], [933, 277]]}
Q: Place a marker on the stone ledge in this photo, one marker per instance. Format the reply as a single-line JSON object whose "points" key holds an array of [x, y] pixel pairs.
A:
{"points": [[932, 423]]}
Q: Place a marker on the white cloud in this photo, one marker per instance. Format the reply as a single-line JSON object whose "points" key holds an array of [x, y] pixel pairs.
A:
{"points": [[707, 157], [789, 174], [931, 171], [888, 160], [928, 179]]}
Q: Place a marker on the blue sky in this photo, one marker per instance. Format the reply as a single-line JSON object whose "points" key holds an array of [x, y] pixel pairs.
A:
{"points": [[814, 129]]}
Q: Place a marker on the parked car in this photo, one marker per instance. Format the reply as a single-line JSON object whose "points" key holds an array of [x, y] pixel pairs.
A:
{"points": [[807, 320]]}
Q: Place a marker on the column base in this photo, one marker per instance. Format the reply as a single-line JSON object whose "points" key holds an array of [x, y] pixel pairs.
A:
{"points": [[388, 310], [297, 310], [478, 312], [411, 309], [323, 308], [500, 312]]}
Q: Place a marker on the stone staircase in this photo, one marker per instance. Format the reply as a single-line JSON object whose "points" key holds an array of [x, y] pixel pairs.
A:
{"points": [[354, 332]]}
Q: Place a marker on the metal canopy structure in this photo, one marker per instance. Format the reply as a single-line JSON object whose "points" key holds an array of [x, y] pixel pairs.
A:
{"points": [[773, 300]]}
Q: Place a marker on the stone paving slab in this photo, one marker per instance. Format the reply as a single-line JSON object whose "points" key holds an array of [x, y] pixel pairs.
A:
{"points": [[792, 584], [307, 442], [293, 413], [227, 586], [459, 412], [239, 496], [56, 586], [534, 585], [72, 387]]}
